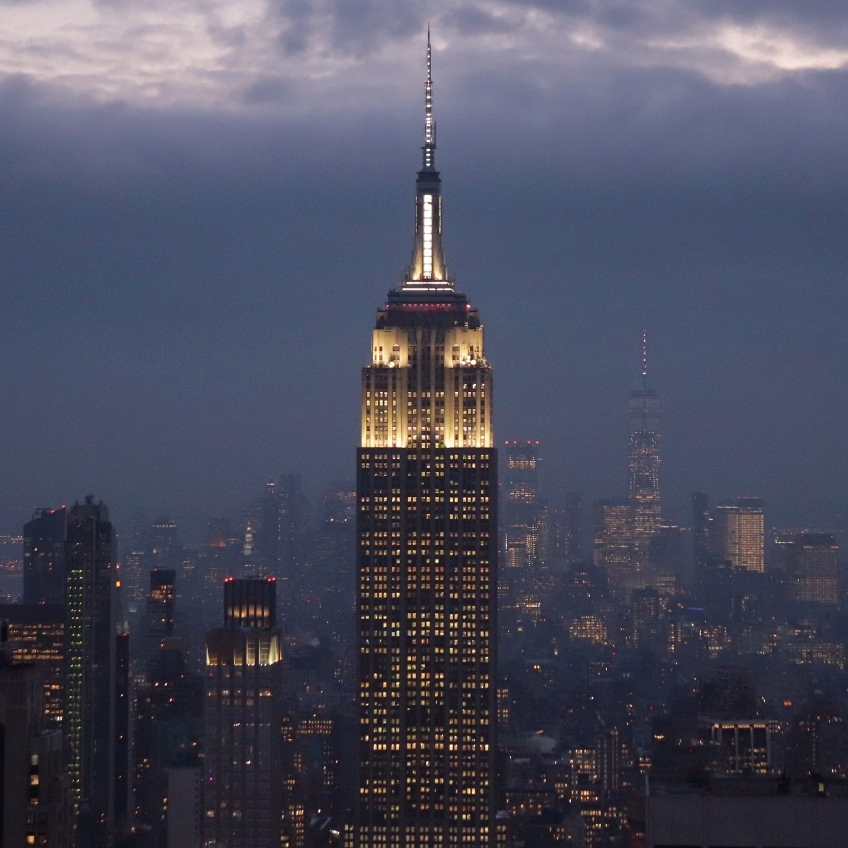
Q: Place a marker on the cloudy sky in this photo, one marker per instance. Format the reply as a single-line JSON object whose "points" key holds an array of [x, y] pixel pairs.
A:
{"points": [[203, 202]]}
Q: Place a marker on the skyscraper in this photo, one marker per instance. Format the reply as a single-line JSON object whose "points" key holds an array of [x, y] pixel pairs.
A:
{"points": [[813, 569], [158, 613], [612, 549], [91, 719], [242, 714], [34, 798], [643, 486], [44, 557], [37, 635], [701, 521], [426, 569], [737, 534], [521, 510]]}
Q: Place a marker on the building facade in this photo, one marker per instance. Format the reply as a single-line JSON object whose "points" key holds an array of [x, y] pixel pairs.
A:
{"points": [[613, 542], [35, 806], [521, 506], [44, 557], [243, 720], [813, 569], [158, 613], [36, 635], [427, 548], [91, 720], [738, 534]]}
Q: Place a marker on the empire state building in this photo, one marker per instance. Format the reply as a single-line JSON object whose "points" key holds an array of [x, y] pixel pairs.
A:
{"points": [[426, 593]]}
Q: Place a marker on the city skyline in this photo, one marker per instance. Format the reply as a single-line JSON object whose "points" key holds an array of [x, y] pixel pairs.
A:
{"points": [[423, 656], [165, 233]]}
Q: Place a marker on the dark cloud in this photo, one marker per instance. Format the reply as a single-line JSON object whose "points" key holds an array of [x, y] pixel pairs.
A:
{"points": [[822, 14], [345, 27], [189, 295], [474, 20], [268, 90]]}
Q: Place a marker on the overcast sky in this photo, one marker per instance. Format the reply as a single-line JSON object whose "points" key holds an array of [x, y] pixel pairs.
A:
{"points": [[203, 202]]}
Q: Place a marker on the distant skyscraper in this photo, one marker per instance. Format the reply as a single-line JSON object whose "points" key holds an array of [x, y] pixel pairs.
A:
{"points": [[665, 558], [521, 507], [427, 537], [243, 718], [737, 533], [613, 534], [44, 557], [164, 544], [250, 603], [813, 569], [701, 522], [333, 561], [573, 527], [158, 613], [90, 716], [643, 487]]}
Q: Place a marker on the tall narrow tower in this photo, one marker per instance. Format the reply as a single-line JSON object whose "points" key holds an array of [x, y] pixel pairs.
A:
{"points": [[92, 713], [643, 486], [243, 715], [427, 548]]}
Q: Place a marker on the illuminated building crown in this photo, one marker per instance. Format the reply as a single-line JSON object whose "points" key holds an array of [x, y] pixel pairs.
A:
{"points": [[427, 270]]}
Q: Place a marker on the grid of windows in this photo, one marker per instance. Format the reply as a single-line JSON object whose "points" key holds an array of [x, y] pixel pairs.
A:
{"points": [[427, 386], [426, 587]]}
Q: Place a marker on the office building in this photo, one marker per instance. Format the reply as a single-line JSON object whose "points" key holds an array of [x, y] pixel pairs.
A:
{"points": [[572, 541], [165, 549], [613, 542], [36, 634], [44, 557], [250, 603], [525, 538], [813, 569], [35, 807], [737, 534], [740, 746], [279, 527], [91, 717], [426, 561], [521, 505], [158, 613], [243, 719]]}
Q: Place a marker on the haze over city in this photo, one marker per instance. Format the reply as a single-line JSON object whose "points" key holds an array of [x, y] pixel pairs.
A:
{"points": [[203, 203]]}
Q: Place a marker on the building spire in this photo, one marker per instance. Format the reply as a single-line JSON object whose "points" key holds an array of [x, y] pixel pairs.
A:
{"points": [[644, 359], [427, 271], [429, 123]]}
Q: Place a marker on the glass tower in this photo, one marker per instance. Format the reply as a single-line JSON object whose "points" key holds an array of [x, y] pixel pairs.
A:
{"points": [[427, 548], [643, 485]]}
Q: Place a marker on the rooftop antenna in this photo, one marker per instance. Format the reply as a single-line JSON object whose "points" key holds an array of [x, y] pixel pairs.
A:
{"points": [[429, 123]]}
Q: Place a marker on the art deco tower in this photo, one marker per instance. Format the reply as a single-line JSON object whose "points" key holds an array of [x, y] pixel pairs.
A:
{"points": [[426, 490], [243, 715], [644, 456]]}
